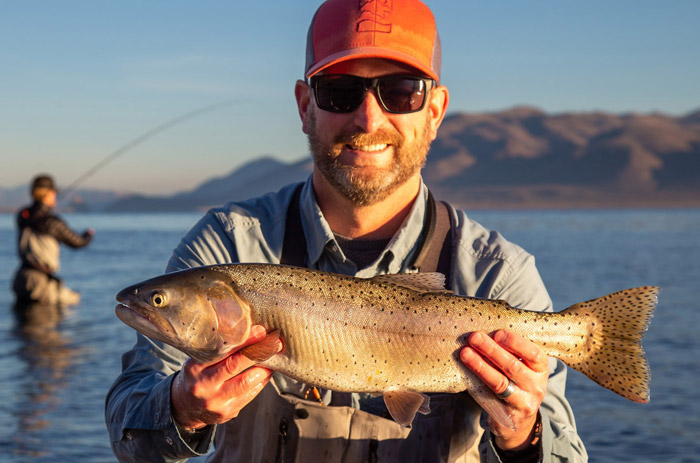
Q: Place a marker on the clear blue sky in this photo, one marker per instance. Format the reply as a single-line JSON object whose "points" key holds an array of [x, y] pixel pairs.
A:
{"points": [[79, 79]]}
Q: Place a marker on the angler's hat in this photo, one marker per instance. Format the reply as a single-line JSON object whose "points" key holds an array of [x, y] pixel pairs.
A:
{"points": [[43, 181], [399, 30]]}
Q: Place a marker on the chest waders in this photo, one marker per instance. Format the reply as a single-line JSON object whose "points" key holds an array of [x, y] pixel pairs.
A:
{"points": [[284, 428]]}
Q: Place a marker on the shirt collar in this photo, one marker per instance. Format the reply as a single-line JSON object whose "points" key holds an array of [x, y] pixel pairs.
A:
{"points": [[320, 239]]}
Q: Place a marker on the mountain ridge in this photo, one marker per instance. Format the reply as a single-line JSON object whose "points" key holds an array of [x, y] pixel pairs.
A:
{"points": [[521, 157]]}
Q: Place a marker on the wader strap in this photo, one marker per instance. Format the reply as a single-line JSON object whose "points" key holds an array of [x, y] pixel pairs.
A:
{"points": [[294, 246], [434, 249]]}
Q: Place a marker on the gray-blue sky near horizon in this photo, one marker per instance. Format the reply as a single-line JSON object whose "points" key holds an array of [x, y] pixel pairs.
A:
{"points": [[82, 78]]}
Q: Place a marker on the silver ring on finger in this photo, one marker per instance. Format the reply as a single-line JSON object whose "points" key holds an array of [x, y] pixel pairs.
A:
{"points": [[508, 391]]}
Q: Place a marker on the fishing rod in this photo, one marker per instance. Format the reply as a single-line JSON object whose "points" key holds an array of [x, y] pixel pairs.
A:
{"points": [[142, 138]]}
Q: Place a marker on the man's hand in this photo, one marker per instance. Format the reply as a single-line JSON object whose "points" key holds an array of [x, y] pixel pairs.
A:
{"points": [[508, 357], [213, 393]]}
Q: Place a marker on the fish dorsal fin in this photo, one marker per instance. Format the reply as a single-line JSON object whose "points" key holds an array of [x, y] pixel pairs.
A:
{"points": [[403, 405], [427, 282]]}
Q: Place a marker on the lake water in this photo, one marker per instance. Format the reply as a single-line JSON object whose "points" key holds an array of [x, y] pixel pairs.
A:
{"points": [[53, 381]]}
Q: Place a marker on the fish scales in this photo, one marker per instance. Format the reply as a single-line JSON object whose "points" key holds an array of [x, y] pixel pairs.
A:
{"points": [[382, 331], [428, 361], [385, 334]]}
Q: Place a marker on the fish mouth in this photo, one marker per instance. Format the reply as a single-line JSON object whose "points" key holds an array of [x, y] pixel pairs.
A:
{"points": [[145, 321], [124, 309]]}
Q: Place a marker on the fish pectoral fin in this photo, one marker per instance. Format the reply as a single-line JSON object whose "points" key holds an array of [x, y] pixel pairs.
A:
{"points": [[264, 349], [403, 405], [428, 282]]}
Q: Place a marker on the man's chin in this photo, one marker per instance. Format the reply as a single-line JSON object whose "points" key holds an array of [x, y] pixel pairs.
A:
{"points": [[367, 175], [365, 190]]}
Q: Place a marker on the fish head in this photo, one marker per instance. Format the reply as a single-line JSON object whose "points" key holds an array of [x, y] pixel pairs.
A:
{"points": [[196, 311]]}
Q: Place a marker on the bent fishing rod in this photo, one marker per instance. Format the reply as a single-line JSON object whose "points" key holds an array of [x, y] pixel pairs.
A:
{"points": [[64, 192]]}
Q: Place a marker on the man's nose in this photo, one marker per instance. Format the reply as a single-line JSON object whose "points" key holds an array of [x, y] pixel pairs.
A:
{"points": [[370, 115]]}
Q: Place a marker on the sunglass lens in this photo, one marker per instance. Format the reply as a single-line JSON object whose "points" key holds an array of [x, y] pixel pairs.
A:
{"points": [[402, 94], [340, 94]]}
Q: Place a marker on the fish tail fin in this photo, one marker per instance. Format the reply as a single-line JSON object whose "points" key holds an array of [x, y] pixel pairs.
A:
{"points": [[615, 358]]}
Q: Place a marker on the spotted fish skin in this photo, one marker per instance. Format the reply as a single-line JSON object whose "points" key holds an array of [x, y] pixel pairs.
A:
{"points": [[388, 333]]}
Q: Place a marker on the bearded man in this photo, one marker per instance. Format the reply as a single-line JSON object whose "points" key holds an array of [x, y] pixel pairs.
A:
{"points": [[371, 103]]}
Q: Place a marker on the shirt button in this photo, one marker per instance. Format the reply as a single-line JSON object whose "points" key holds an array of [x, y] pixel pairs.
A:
{"points": [[157, 416], [169, 440], [129, 436]]}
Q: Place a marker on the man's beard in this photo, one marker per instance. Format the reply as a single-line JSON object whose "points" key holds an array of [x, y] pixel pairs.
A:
{"points": [[365, 186]]}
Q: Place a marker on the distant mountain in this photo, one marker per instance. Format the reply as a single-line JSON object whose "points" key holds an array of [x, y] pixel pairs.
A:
{"points": [[692, 118], [525, 158], [13, 198], [253, 179], [82, 200], [518, 158]]}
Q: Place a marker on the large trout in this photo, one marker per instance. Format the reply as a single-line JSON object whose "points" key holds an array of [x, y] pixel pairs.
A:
{"points": [[396, 335]]}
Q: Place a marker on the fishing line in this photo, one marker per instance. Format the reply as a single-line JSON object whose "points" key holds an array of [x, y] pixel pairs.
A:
{"points": [[142, 138]]}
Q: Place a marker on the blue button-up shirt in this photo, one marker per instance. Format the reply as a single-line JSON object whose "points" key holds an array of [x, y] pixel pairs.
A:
{"points": [[484, 265]]}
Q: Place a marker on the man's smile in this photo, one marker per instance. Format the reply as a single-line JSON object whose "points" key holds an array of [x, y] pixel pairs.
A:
{"points": [[375, 148], [371, 155]]}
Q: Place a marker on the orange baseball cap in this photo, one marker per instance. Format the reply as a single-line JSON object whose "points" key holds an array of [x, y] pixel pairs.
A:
{"points": [[398, 30]]}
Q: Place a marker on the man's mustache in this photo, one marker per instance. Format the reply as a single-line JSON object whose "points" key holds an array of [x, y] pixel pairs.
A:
{"points": [[388, 137]]}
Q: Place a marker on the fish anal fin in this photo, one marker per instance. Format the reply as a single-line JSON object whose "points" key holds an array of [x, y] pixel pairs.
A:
{"points": [[420, 282], [489, 401], [264, 349], [403, 405]]}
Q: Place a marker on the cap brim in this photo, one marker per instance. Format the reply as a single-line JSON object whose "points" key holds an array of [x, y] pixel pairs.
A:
{"points": [[370, 52]]}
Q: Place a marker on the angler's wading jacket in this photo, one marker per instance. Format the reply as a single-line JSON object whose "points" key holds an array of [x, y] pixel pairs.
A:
{"points": [[279, 425], [39, 235]]}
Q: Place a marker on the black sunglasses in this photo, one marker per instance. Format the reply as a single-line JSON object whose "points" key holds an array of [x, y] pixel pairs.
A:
{"points": [[344, 93]]}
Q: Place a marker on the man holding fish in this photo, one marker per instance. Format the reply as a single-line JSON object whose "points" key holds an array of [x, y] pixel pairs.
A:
{"points": [[371, 104]]}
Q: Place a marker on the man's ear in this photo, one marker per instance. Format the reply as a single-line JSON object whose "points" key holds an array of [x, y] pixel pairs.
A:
{"points": [[437, 106], [302, 92]]}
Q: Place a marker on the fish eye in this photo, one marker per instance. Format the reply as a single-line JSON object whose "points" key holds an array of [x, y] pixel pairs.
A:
{"points": [[157, 300]]}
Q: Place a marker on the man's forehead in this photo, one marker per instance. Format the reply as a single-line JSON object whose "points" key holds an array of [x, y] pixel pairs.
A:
{"points": [[371, 67]]}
